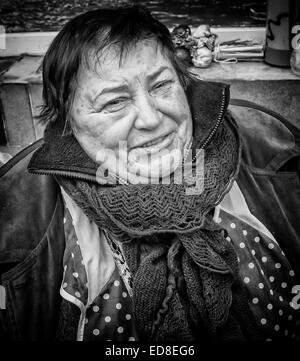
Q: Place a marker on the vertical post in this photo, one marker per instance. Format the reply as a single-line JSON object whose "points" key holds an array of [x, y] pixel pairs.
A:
{"points": [[278, 49]]}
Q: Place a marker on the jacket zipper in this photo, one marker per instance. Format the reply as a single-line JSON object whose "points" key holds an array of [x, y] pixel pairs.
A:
{"points": [[63, 173], [87, 177], [216, 126]]}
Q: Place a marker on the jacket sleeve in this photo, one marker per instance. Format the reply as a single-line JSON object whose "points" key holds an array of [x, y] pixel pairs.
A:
{"points": [[269, 175]]}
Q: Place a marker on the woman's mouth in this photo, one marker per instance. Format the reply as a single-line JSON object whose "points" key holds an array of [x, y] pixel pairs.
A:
{"points": [[158, 143]]}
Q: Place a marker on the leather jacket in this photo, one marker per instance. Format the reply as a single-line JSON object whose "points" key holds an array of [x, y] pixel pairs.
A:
{"points": [[31, 219]]}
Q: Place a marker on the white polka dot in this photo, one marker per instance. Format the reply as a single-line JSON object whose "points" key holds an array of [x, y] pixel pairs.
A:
{"points": [[128, 316], [263, 321], [255, 300], [264, 259], [228, 239], [277, 265], [280, 298], [245, 232], [95, 308], [270, 245], [77, 294], [65, 220], [242, 245], [116, 283], [246, 279], [120, 329], [96, 332], [261, 285], [269, 306], [65, 285], [271, 278], [106, 296], [290, 317], [118, 306], [284, 285], [251, 265], [75, 274], [292, 273], [256, 239], [271, 292], [131, 339], [253, 252], [280, 312], [232, 225], [124, 294], [107, 319], [276, 327]]}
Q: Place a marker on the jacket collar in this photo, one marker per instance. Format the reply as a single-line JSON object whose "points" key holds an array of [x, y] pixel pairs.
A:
{"points": [[62, 155]]}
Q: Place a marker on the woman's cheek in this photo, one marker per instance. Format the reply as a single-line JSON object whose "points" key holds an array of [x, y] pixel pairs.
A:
{"points": [[119, 126], [175, 108]]}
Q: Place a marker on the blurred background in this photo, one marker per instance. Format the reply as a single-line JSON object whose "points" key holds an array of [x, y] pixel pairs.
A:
{"points": [[51, 15], [252, 53]]}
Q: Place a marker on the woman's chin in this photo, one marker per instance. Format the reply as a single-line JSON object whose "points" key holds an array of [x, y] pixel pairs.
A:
{"points": [[157, 165], [149, 167]]}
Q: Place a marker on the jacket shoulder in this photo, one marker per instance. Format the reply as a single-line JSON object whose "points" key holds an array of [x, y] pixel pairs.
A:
{"points": [[26, 208], [268, 139]]}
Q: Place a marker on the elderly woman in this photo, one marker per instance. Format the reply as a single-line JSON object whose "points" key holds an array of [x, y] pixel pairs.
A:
{"points": [[118, 232]]}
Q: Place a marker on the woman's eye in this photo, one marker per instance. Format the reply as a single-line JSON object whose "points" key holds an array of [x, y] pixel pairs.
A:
{"points": [[115, 105], [162, 85]]}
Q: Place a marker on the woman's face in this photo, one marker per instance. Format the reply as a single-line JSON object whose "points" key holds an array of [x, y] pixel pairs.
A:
{"points": [[134, 110]]}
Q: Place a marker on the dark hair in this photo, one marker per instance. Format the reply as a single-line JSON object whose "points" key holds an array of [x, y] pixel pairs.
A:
{"points": [[94, 31]]}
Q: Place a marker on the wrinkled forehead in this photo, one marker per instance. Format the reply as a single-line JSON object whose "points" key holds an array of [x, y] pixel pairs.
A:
{"points": [[117, 55]]}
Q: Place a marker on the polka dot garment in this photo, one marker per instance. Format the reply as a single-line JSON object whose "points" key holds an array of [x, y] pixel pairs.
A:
{"points": [[75, 278], [268, 278], [109, 316]]}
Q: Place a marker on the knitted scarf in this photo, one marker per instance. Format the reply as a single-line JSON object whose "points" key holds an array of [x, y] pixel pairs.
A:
{"points": [[185, 273], [182, 266]]}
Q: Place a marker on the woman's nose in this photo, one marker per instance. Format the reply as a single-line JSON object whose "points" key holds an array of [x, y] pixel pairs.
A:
{"points": [[148, 116]]}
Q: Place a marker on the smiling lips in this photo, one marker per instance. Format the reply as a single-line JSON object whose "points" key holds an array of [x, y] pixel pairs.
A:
{"points": [[161, 142]]}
